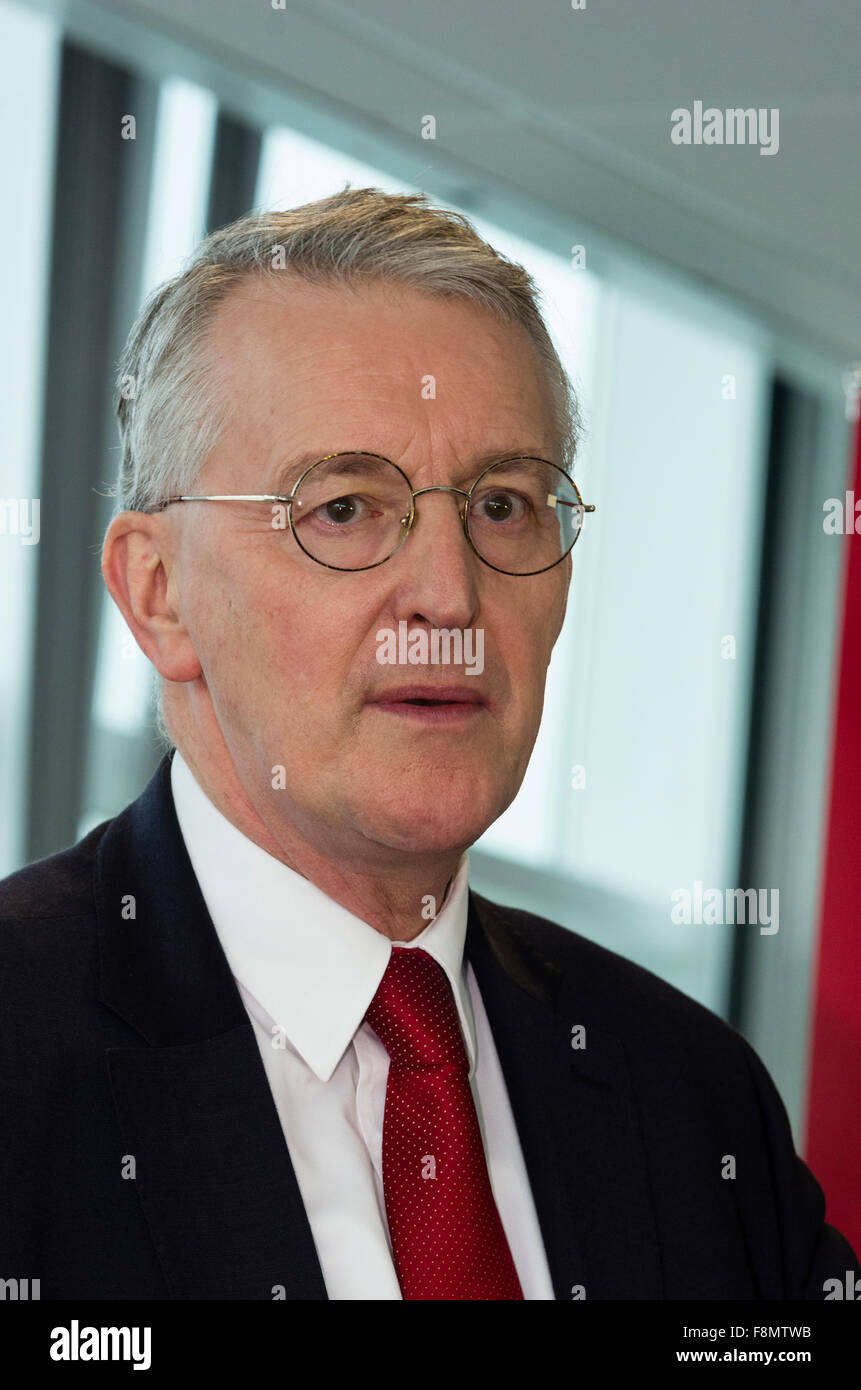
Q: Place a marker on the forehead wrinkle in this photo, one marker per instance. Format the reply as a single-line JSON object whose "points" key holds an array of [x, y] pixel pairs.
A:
{"points": [[290, 472]]}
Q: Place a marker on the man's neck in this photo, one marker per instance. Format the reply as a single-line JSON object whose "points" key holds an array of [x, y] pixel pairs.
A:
{"points": [[396, 894]]}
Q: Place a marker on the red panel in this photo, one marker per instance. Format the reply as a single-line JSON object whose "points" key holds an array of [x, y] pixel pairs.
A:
{"points": [[834, 1114]]}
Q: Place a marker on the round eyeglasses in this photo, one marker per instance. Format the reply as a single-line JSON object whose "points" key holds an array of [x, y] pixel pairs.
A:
{"points": [[353, 511]]}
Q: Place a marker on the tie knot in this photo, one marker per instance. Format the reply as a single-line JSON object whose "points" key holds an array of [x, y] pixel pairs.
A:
{"points": [[414, 1014]]}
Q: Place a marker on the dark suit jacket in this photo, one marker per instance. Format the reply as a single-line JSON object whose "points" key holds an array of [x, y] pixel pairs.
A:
{"points": [[127, 1036]]}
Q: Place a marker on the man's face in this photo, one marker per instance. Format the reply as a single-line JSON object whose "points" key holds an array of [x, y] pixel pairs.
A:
{"points": [[288, 649]]}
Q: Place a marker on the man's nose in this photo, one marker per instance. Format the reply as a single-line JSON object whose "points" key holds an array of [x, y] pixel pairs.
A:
{"points": [[440, 560]]}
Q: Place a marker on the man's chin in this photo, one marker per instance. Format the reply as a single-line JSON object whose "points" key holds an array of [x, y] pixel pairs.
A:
{"points": [[434, 824]]}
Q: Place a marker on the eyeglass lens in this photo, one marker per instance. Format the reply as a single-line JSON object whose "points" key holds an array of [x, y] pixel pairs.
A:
{"points": [[352, 512]]}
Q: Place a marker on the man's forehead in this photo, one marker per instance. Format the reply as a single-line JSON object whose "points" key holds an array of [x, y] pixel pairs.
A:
{"points": [[465, 470], [301, 399]]}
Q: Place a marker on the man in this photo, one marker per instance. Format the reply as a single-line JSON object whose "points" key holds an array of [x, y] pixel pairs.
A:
{"points": [[262, 1042]]}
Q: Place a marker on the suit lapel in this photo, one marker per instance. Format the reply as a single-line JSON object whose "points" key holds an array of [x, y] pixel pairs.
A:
{"points": [[575, 1116], [212, 1170]]}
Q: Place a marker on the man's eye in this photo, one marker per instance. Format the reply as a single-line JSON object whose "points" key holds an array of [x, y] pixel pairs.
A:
{"points": [[502, 506], [342, 510]]}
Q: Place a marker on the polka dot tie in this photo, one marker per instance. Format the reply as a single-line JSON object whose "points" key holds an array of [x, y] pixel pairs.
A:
{"points": [[447, 1238]]}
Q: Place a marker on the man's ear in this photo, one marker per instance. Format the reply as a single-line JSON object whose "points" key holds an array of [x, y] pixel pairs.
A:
{"points": [[137, 565]]}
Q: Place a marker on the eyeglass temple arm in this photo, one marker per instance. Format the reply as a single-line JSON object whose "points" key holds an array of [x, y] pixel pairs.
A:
{"points": [[563, 502], [227, 497]]}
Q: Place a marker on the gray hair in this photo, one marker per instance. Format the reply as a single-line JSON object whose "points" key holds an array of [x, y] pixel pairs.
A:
{"points": [[170, 401], [170, 404]]}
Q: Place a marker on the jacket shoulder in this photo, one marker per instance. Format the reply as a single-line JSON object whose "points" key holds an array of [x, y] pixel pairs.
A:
{"points": [[626, 993], [59, 886]]}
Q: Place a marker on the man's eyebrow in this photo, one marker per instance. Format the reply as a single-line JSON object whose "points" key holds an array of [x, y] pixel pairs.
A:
{"points": [[290, 472]]}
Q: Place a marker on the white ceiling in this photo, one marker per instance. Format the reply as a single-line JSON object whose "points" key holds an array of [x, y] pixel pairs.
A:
{"points": [[572, 109]]}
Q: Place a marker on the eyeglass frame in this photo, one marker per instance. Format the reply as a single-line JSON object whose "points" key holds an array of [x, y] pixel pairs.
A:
{"points": [[408, 521]]}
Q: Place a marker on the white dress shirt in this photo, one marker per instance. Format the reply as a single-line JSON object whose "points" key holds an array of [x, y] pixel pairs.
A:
{"points": [[307, 970]]}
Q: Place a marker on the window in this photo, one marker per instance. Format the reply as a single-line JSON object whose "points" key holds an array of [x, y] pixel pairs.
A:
{"points": [[29, 52]]}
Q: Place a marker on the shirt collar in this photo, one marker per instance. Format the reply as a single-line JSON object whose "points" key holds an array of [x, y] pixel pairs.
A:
{"points": [[311, 966]]}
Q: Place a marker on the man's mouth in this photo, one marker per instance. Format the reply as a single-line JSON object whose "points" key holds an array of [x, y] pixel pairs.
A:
{"points": [[430, 704]]}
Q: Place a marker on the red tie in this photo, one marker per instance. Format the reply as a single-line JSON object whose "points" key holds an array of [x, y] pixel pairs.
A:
{"points": [[447, 1238]]}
